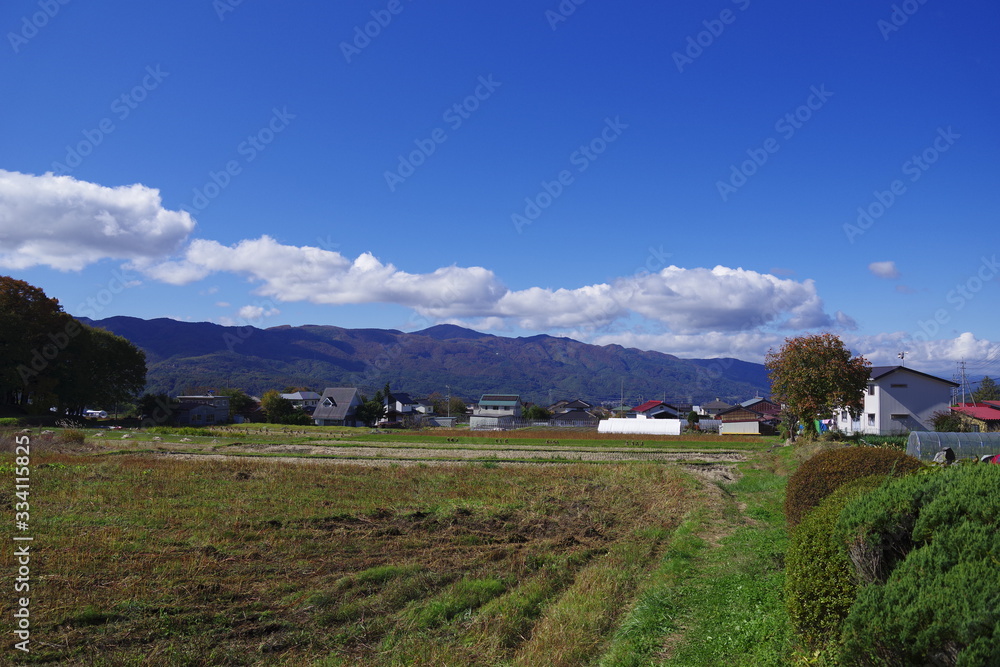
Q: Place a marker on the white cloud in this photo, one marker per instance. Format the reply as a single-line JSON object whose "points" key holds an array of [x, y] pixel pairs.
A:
{"points": [[291, 273], [745, 345], [257, 312], [67, 224], [723, 299], [687, 301], [938, 356], [886, 270]]}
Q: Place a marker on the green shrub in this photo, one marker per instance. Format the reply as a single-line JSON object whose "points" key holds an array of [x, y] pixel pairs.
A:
{"points": [[928, 544], [10, 421], [824, 473], [819, 582]]}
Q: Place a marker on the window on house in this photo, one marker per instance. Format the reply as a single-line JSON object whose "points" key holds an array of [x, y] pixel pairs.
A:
{"points": [[871, 418], [898, 417], [871, 390], [898, 386]]}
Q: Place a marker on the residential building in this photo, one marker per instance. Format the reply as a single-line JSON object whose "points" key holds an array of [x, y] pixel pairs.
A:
{"points": [[898, 400], [713, 408], [498, 405], [303, 400], [202, 410], [495, 411], [560, 407], [337, 407], [757, 416], [654, 410], [983, 417]]}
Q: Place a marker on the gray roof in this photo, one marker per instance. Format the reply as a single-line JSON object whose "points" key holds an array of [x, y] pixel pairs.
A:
{"points": [[302, 396], [336, 403], [878, 372]]}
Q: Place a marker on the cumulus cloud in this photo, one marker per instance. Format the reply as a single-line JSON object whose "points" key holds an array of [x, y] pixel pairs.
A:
{"points": [[293, 273], [67, 224], [886, 270], [936, 356], [687, 301], [746, 345], [724, 299], [257, 312]]}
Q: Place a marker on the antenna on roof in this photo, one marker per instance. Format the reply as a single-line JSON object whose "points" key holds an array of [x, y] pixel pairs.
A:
{"points": [[901, 355]]}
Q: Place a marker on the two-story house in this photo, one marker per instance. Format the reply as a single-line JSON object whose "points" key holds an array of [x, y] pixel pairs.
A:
{"points": [[202, 410], [898, 400], [495, 411], [337, 407]]}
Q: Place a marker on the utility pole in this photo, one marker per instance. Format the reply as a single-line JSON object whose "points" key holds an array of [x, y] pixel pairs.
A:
{"points": [[961, 366], [449, 401]]}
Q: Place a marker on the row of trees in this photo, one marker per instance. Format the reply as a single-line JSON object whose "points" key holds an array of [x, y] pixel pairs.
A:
{"points": [[49, 359]]}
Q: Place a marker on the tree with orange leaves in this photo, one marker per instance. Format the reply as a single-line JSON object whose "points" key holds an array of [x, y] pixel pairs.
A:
{"points": [[815, 375]]}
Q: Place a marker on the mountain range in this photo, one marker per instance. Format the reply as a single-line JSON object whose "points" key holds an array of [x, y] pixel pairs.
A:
{"points": [[184, 357]]}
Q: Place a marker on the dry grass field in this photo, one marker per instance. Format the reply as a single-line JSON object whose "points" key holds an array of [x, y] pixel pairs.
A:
{"points": [[153, 559]]}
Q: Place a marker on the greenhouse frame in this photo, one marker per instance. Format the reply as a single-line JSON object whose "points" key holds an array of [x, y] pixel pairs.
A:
{"points": [[925, 444]]}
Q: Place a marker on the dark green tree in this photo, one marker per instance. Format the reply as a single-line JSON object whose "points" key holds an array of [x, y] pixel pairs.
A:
{"points": [[370, 411], [988, 391], [537, 413], [276, 409], [48, 359], [239, 402]]}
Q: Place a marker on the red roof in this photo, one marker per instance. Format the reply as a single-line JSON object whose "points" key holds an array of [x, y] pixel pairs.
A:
{"points": [[648, 405], [984, 412]]}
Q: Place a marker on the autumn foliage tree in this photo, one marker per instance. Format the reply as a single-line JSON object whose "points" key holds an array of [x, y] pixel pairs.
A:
{"points": [[815, 375]]}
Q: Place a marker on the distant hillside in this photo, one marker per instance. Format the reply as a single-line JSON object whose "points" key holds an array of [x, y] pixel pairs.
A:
{"points": [[184, 356]]}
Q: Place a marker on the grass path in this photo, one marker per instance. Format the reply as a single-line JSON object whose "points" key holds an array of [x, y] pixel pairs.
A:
{"points": [[717, 595]]}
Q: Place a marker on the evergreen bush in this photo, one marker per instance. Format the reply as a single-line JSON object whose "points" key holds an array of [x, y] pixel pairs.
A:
{"points": [[928, 545], [824, 473], [819, 582]]}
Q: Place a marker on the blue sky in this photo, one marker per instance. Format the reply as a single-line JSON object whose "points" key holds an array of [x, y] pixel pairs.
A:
{"points": [[702, 180]]}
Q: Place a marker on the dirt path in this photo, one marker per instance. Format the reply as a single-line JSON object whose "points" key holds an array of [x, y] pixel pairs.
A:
{"points": [[480, 453]]}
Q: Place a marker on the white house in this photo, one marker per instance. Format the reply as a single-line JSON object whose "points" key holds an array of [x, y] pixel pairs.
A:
{"points": [[898, 400], [303, 400], [495, 411]]}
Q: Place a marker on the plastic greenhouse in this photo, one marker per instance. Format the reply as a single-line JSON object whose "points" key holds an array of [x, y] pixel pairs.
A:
{"points": [[925, 444]]}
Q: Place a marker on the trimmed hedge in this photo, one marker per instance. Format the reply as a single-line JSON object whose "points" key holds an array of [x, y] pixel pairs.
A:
{"points": [[824, 473], [929, 545], [820, 585]]}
